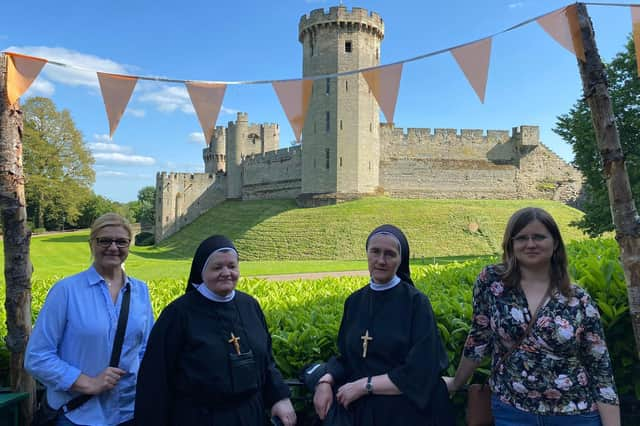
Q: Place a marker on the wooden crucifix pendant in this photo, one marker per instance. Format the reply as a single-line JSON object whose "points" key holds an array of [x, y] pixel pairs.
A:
{"points": [[365, 343], [234, 341]]}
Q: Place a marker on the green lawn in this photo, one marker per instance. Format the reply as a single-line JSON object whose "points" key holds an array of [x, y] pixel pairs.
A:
{"points": [[276, 237]]}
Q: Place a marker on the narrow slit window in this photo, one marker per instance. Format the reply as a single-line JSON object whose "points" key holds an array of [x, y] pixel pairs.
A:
{"points": [[327, 153], [340, 124], [327, 126], [328, 87]]}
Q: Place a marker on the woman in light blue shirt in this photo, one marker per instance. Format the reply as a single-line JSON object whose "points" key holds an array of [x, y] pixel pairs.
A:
{"points": [[70, 346]]}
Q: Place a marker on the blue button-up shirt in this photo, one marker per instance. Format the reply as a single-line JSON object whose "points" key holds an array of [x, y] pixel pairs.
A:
{"points": [[74, 334]]}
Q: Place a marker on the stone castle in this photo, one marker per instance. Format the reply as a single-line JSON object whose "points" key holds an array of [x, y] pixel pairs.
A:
{"points": [[347, 153]]}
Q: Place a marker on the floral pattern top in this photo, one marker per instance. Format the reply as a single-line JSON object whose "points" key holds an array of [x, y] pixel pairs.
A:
{"points": [[562, 367]]}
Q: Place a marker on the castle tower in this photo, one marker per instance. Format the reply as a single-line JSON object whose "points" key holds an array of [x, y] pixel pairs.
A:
{"points": [[341, 142], [236, 138], [215, 154]]}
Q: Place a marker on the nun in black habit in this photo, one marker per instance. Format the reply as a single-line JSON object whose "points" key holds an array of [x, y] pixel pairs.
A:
{"points": [[390, 352], [208, 360]]}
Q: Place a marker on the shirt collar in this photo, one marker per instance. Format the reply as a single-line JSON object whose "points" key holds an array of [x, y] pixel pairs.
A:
{"points": [[386, 286], [204, 290], [95, 278]]}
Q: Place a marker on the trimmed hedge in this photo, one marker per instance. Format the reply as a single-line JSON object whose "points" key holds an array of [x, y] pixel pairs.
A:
{"points": [[304, 315]]}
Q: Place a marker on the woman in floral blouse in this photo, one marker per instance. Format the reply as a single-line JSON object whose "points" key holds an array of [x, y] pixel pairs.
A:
{"points": [[561, 372]]}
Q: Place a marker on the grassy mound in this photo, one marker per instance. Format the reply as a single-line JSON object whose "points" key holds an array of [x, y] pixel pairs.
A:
{"points": [[278, 230]]}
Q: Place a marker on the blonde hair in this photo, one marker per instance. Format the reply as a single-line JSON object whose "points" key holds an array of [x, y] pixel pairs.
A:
{"points": [[109, 219]]}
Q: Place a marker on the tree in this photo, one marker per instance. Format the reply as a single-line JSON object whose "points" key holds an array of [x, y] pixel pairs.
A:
{"points": [[144, 210], [93, 207], [576, 128], [58, 166]]}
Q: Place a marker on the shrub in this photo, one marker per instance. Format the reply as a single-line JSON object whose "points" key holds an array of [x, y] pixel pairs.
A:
{"points": [[145, 239]]}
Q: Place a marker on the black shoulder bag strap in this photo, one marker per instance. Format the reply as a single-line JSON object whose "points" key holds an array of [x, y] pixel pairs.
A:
{"points": [[115, 352]]}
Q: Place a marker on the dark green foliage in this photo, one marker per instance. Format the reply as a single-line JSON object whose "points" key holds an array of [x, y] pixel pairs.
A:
{"points": [[576, 128], [304, 315], [144, 209], [145, 239], [57, 165]]}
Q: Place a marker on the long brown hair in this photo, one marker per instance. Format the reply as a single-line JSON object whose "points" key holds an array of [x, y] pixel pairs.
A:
{"points": [[510, 270]]}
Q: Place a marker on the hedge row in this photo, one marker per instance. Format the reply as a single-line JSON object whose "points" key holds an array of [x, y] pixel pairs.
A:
{"points": [[304, 315]]}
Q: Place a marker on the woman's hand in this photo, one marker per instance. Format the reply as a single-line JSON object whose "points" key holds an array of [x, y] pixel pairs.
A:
{"points": [[284, 410], [322, 399], [351, 391], [103, 382]]}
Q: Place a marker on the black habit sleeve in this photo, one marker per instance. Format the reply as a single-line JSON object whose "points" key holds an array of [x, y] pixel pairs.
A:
{"points": [[419, 376], [338, 366], [154, 391], [275, 388]]}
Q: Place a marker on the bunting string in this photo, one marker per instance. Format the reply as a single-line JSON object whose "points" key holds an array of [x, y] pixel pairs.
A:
{"points": [[473, 58], [342, 73]]}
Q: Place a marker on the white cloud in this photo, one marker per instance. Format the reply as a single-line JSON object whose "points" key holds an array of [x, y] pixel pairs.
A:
{"points": [[197, 137], [515, 5], [138, 113], [40, 87], [168, 98], [111, 173], [120, 158], [102, 137], [71, 76], [108, 147]]}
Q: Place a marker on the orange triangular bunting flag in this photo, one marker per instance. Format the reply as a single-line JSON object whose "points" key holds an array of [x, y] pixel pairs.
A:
{"points": [[635, 21], [116, 92], [21, 71], [207, 100], [294, 96], [474, 61], [384, 83], [563, 26]]}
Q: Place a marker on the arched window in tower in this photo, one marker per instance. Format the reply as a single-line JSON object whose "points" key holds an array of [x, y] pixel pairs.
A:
{"points": [[348, 46], [253, 138]]}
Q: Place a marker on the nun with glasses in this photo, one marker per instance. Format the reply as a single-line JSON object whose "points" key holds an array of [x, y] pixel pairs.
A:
{"points": [[390, 352], [209, 359]]}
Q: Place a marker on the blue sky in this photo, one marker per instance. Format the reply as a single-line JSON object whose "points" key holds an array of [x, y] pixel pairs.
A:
{"points": [[532, 79]]}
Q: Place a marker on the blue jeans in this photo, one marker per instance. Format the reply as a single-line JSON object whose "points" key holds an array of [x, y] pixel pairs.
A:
{"points": [[508, 415]]}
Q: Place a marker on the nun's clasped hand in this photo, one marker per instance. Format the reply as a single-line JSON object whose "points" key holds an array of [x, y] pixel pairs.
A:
{"points": [[284, 410], [351, 391]]}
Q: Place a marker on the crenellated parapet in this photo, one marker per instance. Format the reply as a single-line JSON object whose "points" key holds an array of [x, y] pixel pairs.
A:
{"points": [[395, 135], [356, 19], [280, 155]]}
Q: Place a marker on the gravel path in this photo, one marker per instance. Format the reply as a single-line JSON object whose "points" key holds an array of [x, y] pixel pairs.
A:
{"points": [[312, 275]]}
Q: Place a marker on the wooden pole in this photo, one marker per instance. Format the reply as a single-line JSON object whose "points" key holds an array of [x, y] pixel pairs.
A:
{"points": [[623, 208], [16, 236]]}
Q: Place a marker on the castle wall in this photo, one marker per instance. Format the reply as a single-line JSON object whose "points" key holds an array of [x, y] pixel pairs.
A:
{"points": [[470, 164], [273, 175], [182, 197]]}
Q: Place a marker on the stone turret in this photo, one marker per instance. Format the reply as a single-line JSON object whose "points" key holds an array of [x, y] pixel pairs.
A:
{"points": [[341, 149], [215, 155], [236, 137]]}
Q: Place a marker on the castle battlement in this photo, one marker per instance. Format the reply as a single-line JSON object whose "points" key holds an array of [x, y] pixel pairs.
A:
{"points": [[282, 154], [528, 134], [357, 18]]}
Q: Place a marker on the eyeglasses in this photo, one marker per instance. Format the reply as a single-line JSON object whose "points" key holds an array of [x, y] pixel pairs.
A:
{"points": [[523, 239], [106, 242]]}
